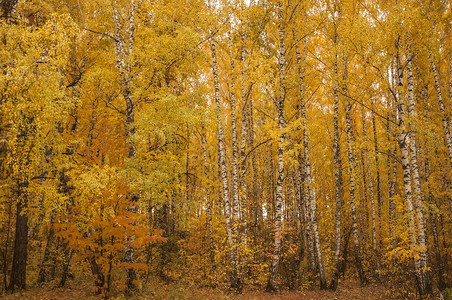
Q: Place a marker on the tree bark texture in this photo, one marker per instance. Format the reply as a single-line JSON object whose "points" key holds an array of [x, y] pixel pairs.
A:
{"points": [[352, 163], [243, 163], [209, 205], [235, 179], [308, 175], [123, 53], [403, 140], [418, 193], [223, 173], [337, 181], [271, 285], [442, 107], [19, 268]]}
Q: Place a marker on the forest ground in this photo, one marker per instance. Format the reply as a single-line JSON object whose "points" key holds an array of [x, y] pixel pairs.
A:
{"points": [[346, 290]]}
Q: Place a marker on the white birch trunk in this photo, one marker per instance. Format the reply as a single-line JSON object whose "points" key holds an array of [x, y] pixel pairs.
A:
{"points": [[123, 54], [403, 140], [307, 174], [371, 197], [377, 166], [209, 205], [450, 90], [223, 169], [237, 286], [446, 125], [243, 164], [337, 180], [256, 208], [418, 193], [271, 285], [352, 162], [443, 111], [392, 176]]}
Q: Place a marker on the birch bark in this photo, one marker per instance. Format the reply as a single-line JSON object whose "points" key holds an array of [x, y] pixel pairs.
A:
{"points": [[243, 163], [209, 205], [223, 171], [337, 180], [235, 180], [418, 193], [377, 166], [446, 125], [307, 173], [403, 140], [123, 53], [450, 89], [352, 163], [271, 285], [392, 173], [371, 197], [443, 111]]}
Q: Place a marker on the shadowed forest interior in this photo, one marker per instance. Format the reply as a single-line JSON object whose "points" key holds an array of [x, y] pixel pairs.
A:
{"points": [[227, 144]]}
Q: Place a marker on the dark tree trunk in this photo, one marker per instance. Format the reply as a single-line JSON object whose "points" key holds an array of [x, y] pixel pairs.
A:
{"points": [[67, 264], [6, 249], [19, 268], [343, 264], [99, 278], [43, 269]]}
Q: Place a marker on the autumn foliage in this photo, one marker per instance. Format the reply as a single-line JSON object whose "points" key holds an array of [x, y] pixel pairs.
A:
{"points": [[229, 145]]}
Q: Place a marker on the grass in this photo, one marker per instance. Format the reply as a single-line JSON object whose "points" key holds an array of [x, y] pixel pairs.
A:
{"points": [[347, 290]]}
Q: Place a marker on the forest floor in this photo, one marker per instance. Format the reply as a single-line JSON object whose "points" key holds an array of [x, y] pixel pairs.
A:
{"points": [[347, 290]]}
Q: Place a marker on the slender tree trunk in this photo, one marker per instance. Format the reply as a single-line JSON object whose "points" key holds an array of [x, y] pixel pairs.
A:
{"points": [[5, 250], [243, 163], [187, 182], [306, 234], [377, 166], [19, 267], [271, 184], [20, 253], [446, 125], [351, 160], [432, 206], [99, 278], [450, 90], [418, 193], [271, 285], [43, 268], [69, 254], [380, 201], [235, 180], [352, 163], [306, 216], [308, 176], [345, 253], [338, 183], [433, 213], [223, 173], [209, 205], [392, 178], [364, 220], [409, 200], [371, 197], [308, 221], [403, 140], [123, 53], [298, 194], [443, 111], [255, 205], [390, 185]]}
